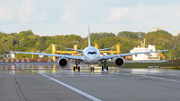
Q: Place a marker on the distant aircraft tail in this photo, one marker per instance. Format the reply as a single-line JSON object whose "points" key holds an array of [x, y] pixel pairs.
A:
{"points": [[89, 43]]}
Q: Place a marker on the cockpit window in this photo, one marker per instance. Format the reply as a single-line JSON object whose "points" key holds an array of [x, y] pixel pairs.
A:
{"points": [[92, 53]]}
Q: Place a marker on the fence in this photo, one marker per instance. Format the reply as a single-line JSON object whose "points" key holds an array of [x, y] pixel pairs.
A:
{"points": [[26, 60]]}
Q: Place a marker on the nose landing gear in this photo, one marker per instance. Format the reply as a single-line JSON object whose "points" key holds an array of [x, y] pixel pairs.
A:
{"points": [[92, 68]]}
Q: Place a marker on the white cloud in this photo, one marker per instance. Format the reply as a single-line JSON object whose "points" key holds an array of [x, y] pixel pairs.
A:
{"points": [[117, 14], [16, 10], [7, 12], [41, 17], [68, 16], [26, 11], [73, 16], [143, 12], [72, 10]]}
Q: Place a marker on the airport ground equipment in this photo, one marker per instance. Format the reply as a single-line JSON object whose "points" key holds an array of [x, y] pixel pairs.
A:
{"points": [[161, 55], [63, 52], [112, 52], [75, 52]]}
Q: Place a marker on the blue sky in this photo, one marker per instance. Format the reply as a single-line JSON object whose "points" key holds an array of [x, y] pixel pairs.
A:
{"points": [[62, 17]]}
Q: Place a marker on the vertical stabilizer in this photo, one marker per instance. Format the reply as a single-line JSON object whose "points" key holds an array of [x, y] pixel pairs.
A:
{"points": [[89, 42]]}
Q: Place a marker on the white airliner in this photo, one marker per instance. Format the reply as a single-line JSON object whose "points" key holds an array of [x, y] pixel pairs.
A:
{"points": [[91, 56]]}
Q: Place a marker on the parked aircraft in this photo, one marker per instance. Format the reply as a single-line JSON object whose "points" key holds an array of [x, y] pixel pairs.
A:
{"points": [[91, 56]]}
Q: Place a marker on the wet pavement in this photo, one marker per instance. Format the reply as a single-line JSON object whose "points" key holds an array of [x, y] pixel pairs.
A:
{"points": [[48, 82]]}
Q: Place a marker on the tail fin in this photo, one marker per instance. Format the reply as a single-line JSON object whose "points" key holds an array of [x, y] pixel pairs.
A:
{"points": [[89, 43]]}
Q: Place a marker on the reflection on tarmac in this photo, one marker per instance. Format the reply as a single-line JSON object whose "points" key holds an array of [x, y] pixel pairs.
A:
{"points": [[23, 68], [52, 68]]}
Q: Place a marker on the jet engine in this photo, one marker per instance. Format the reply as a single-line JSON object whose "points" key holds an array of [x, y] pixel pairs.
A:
{"points": [[119, 61], [63, 62]]}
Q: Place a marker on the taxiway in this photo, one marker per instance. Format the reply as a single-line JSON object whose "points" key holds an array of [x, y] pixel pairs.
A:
{"points": [[47, 82]]}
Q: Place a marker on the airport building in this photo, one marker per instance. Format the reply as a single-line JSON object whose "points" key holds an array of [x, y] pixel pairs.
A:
{"points": [[148, 56]]}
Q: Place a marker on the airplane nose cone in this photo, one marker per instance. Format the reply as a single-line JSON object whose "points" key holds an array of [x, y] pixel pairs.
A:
{"points": [[91, 59]]}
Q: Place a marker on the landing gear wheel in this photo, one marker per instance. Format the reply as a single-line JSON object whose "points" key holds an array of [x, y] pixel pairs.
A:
{"points": [[77, 62], [104, 62], [74, 68], [78, 68], [93, 69], [102, 68]]}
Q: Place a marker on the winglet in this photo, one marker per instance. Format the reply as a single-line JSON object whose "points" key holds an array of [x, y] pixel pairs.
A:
{"points": [[8, 51], [89, 43], [5, 49], [174, 47]]}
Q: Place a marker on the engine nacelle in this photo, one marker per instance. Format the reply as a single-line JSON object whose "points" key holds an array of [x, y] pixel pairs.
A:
{"points": [[63, 62], [119, 61]]}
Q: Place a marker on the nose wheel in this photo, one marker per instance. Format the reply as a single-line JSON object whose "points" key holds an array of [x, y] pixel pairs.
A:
{"points": [[92, 69]]}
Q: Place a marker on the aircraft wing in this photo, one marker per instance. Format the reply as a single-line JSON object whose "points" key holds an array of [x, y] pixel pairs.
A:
{"points": [[105, 49], [74, 49], [127, 54], [56, 55]]}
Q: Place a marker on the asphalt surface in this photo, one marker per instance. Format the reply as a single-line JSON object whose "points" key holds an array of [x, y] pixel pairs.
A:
{"points": [[47, 82]]}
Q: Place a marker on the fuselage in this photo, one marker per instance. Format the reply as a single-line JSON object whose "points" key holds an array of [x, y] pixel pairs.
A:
{"points": [[91, 55]]}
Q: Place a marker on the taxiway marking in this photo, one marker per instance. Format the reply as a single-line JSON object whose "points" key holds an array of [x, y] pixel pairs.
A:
{"points": [[70, 87], [17, 65]]}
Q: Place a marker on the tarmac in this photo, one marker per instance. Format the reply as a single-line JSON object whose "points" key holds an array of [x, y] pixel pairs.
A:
{"points": [[47, 82]]}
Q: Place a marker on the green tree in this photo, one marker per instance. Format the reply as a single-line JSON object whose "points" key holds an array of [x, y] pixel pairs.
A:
{"points": [[25, 33], [22, 42], [49, 42], [129, 34], [30, 43], [9, 42]]}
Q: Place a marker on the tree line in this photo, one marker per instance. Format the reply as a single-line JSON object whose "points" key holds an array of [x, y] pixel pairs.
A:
{"points": [[27, 41]]}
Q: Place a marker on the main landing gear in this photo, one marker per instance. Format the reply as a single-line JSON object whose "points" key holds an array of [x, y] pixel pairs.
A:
{"points": [[76, 65], [77, 62], [104, 65], [92, 68]]}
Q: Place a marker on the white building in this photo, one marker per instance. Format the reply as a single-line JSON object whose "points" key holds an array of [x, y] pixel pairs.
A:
{"points": [[8, 55], [147, 56]]}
